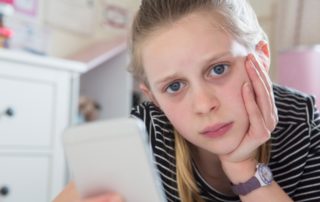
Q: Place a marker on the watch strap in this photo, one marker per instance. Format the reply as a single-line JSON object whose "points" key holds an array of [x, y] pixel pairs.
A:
{"points": [[245, 188]]}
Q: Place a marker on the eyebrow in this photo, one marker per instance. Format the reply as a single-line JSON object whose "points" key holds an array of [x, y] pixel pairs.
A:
{"points": [[206, 60], [211, 59], [166, 79]]}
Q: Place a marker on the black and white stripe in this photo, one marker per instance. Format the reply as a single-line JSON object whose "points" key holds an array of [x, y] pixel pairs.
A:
{"points": [[295, 154]]}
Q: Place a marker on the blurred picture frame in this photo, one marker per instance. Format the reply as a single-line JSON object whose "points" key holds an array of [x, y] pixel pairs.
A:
{"points": [[27, 8]]}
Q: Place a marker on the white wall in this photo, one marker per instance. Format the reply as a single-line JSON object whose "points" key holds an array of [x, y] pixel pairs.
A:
{"points": [[101, 32], [288, 23], [110, 85], [42, 34], [298, 23]]}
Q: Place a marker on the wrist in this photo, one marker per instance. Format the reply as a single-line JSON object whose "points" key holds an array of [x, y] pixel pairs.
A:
{"points": [[239, 172], [263, 177]]}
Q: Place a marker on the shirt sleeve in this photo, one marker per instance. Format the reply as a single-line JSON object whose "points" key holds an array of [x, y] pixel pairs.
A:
{"points": [[142, 112], [309, 184], [156, 123]]}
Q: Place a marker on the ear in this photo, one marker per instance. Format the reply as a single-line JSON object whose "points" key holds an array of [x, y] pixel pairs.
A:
{"points": [[147, 93], [263, 51]]}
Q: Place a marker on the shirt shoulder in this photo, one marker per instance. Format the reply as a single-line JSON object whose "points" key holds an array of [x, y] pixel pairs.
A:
{"points": [[161, 139], [153, 117], [293, 138]]}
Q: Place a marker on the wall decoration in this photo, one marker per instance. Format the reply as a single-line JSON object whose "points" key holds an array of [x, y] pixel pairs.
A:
{"points": [[73, 15], [116, 16], [26, 7]]}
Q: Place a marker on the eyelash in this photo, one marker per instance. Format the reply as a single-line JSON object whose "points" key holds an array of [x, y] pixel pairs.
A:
{"points": [[226, 70], [167, 88]]}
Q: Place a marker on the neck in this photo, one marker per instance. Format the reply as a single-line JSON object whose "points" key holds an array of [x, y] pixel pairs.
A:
{"points": [[210, 168]]}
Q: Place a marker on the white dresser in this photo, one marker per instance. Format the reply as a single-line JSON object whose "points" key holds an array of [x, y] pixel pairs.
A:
{"points": [[38, 100]]}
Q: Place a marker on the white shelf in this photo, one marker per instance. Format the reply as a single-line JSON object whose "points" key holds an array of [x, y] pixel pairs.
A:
{"points": [[106, 79], [42, 61], [100, 52]]}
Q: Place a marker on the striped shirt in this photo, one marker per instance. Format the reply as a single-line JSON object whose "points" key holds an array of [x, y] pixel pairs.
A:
{"points": [[295, 153]]}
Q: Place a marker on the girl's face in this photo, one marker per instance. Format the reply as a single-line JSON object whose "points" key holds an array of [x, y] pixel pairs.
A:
{"points": [[196, 73]]}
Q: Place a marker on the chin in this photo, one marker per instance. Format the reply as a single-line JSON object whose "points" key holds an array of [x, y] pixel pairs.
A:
{"points": [[227, 148], [225, 151]]}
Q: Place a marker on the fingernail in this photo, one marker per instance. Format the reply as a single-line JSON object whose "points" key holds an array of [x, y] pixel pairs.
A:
{"points": [[251, 59], [251, 56], [260, 45], [264, 48]]}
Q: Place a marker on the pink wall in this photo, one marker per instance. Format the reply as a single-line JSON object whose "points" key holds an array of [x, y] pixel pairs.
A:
{"points": [[300, 69], [7, 1]]}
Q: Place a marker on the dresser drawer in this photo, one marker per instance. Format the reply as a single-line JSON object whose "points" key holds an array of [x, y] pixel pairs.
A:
{"points": [[24, 179], [29, 106]]}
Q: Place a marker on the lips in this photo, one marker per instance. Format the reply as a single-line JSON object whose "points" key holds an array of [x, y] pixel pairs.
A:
{"points": [[217, 130]]}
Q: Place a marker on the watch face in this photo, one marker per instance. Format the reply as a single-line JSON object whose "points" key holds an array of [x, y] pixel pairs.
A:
{"points": [[265, 173]]}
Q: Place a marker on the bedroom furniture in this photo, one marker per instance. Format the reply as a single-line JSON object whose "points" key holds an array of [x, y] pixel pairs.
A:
{"points": [[38, 100], [107, 80]]}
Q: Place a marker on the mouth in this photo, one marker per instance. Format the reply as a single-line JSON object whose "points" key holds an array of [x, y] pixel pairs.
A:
{"points": [[217, 130]]}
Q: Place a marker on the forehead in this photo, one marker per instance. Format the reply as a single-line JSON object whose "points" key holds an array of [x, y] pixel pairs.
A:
{"points": [[191, 26], [187, 42]]}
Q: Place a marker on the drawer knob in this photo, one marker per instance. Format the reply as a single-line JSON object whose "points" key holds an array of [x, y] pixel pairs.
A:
{"points": [[4, 191], [9, 112]]}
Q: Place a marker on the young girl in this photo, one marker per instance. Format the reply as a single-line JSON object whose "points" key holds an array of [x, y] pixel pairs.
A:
{"points": [[217, 125]]}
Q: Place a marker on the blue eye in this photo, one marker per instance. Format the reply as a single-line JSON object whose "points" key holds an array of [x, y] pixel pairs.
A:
{"points": [[219, 70], [174, 87]]}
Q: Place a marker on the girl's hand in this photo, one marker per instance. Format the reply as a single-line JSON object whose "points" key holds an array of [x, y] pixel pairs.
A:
{"points": [[110, 197], [70, 194], [259, 102]]}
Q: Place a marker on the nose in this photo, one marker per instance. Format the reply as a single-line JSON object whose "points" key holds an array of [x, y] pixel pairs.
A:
{"points": [[204, 100]]}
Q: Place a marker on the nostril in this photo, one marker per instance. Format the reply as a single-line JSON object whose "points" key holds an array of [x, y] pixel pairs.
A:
{"points": [[205, 104]]}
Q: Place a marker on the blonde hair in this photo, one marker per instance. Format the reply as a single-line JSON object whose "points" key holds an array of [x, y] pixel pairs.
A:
{"points": [[238, 19], [187, 186]]}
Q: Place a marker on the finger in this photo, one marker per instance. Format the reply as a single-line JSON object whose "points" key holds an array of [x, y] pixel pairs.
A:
{"points": [[261, 71], [257, 127], [257, 133], [262, 94], [268, 84], [262, 49], [263, 74]]}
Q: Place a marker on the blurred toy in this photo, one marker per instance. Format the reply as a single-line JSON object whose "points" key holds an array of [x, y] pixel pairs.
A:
{"points": [[5, 33], [88, 109]]}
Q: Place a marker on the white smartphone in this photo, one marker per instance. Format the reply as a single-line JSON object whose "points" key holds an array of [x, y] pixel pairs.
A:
{"points": [[113, 156]]}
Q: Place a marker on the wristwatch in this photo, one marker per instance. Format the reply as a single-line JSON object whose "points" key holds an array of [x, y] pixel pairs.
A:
{"points": [[262, 177]]}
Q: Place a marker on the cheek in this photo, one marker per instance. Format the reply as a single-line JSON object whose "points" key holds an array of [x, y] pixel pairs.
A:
{"points": [[236, 103], [233, 96], [178, 115]]}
